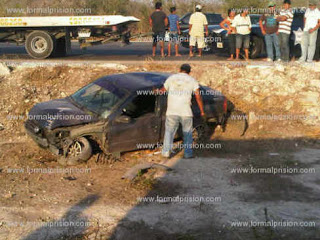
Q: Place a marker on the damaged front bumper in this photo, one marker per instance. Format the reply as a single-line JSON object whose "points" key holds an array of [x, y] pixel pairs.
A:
{"points": [[36, 134]]}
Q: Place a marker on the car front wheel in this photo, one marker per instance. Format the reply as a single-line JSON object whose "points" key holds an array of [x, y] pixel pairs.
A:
{"points": [[78, 151]]}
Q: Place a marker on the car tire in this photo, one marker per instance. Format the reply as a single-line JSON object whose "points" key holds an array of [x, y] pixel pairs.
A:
{"points": [[40, 44], [79, 151], [199, 134], [256, 47]]}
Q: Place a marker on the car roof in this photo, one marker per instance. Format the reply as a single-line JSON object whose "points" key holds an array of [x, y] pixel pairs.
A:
{"points": [[133, 81]]}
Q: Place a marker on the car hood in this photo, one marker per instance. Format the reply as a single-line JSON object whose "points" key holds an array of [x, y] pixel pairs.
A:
{"points": [[59, 113]]}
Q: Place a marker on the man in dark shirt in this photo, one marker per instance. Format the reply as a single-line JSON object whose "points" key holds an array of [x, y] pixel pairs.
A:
{"points": [[269, 28], [158, 21]]}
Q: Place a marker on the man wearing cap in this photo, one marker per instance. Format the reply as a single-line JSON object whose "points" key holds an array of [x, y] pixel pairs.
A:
{"points": [[198, 21], [180, 88], [269, 28], [285, 21], [310, 32]]}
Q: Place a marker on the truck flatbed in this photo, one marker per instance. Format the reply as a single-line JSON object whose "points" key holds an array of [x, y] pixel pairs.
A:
{"points": [[71, 21]]}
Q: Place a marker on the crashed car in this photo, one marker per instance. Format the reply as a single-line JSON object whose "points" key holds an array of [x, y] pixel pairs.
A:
{"points": [[117, 113]]}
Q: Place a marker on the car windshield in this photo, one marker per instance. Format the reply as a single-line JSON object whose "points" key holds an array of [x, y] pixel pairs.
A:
{"points": [[214, 18], [96, 99]]}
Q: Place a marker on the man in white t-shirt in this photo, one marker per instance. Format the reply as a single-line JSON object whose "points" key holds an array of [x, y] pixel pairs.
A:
{"points": [[242, 25], [310, 32], [180, 88], [198, 22]]}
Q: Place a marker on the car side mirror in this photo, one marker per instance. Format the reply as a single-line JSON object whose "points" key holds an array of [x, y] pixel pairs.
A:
{"points": [[123, 119]]}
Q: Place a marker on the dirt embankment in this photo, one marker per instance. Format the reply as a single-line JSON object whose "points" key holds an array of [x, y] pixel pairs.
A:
{"points": [[273, 97]]}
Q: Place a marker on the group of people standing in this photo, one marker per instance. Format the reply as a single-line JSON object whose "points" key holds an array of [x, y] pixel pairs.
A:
{"points": [[239, 29], [276, 28], [159, 21]]}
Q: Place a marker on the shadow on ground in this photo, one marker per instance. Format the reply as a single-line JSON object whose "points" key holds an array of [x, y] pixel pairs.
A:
{"points": [[70, 226], [165, 212]]}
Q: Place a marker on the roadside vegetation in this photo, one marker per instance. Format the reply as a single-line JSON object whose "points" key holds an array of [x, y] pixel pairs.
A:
{"points": [[138, 8]]}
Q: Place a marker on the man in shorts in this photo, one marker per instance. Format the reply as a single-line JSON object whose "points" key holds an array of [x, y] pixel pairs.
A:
{"points": [[174, 29], [242, 25], [198, 22], [158, 21]]}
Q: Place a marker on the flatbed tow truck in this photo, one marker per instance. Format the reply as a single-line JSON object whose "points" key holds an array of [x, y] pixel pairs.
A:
{"points": [[45, 37]]}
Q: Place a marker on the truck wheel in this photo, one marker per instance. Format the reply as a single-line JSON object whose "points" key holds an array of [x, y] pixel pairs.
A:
{"points": [[40, 44], [256, 47], [79, 151]]}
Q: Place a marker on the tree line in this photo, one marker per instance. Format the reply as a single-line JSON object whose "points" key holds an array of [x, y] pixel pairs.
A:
{"points": [[138, 8]]}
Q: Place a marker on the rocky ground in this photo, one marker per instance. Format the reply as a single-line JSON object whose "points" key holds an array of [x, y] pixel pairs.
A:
{"points": [[282, 105]]}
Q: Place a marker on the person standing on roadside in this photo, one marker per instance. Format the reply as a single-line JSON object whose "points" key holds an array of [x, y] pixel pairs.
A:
{"points": [[158, 21], [180, 88], [242, 24], [174, 29], [310, 32], [198, 22], [269, 28], [226, 24], [285, 21]]}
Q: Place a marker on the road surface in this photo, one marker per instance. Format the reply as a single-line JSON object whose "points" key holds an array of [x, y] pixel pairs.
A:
{"points": [[112, 51]]}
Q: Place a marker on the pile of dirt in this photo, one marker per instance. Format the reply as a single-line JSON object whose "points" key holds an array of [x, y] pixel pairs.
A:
{"points": [[286, 90], [283, 97]]}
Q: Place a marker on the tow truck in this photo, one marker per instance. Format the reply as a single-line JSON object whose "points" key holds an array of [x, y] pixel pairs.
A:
{"points": [[45, 37]]}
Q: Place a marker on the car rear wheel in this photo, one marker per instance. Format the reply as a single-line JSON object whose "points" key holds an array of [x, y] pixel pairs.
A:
{"points": [[79, 151], [256, 46], [199, 134]]}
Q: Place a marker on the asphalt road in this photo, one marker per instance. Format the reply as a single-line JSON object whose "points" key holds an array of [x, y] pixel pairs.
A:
{"points": [[112, 51]]}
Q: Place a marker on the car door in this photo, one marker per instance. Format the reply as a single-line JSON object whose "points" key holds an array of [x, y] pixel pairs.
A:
{"points": [[137, 127]]}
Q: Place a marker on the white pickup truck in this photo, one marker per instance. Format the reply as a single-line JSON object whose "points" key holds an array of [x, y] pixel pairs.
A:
{"points": [[51, 36]]}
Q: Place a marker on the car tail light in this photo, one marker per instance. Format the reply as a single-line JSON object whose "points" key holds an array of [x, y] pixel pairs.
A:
{"points": [[225, 105]]}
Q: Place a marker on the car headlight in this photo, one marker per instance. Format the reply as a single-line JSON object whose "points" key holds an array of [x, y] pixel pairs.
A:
{"points": [[62, 134], [36, 129]]}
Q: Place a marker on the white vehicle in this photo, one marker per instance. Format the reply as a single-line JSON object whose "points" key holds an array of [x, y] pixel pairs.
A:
{"points": [[51, 36]]}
